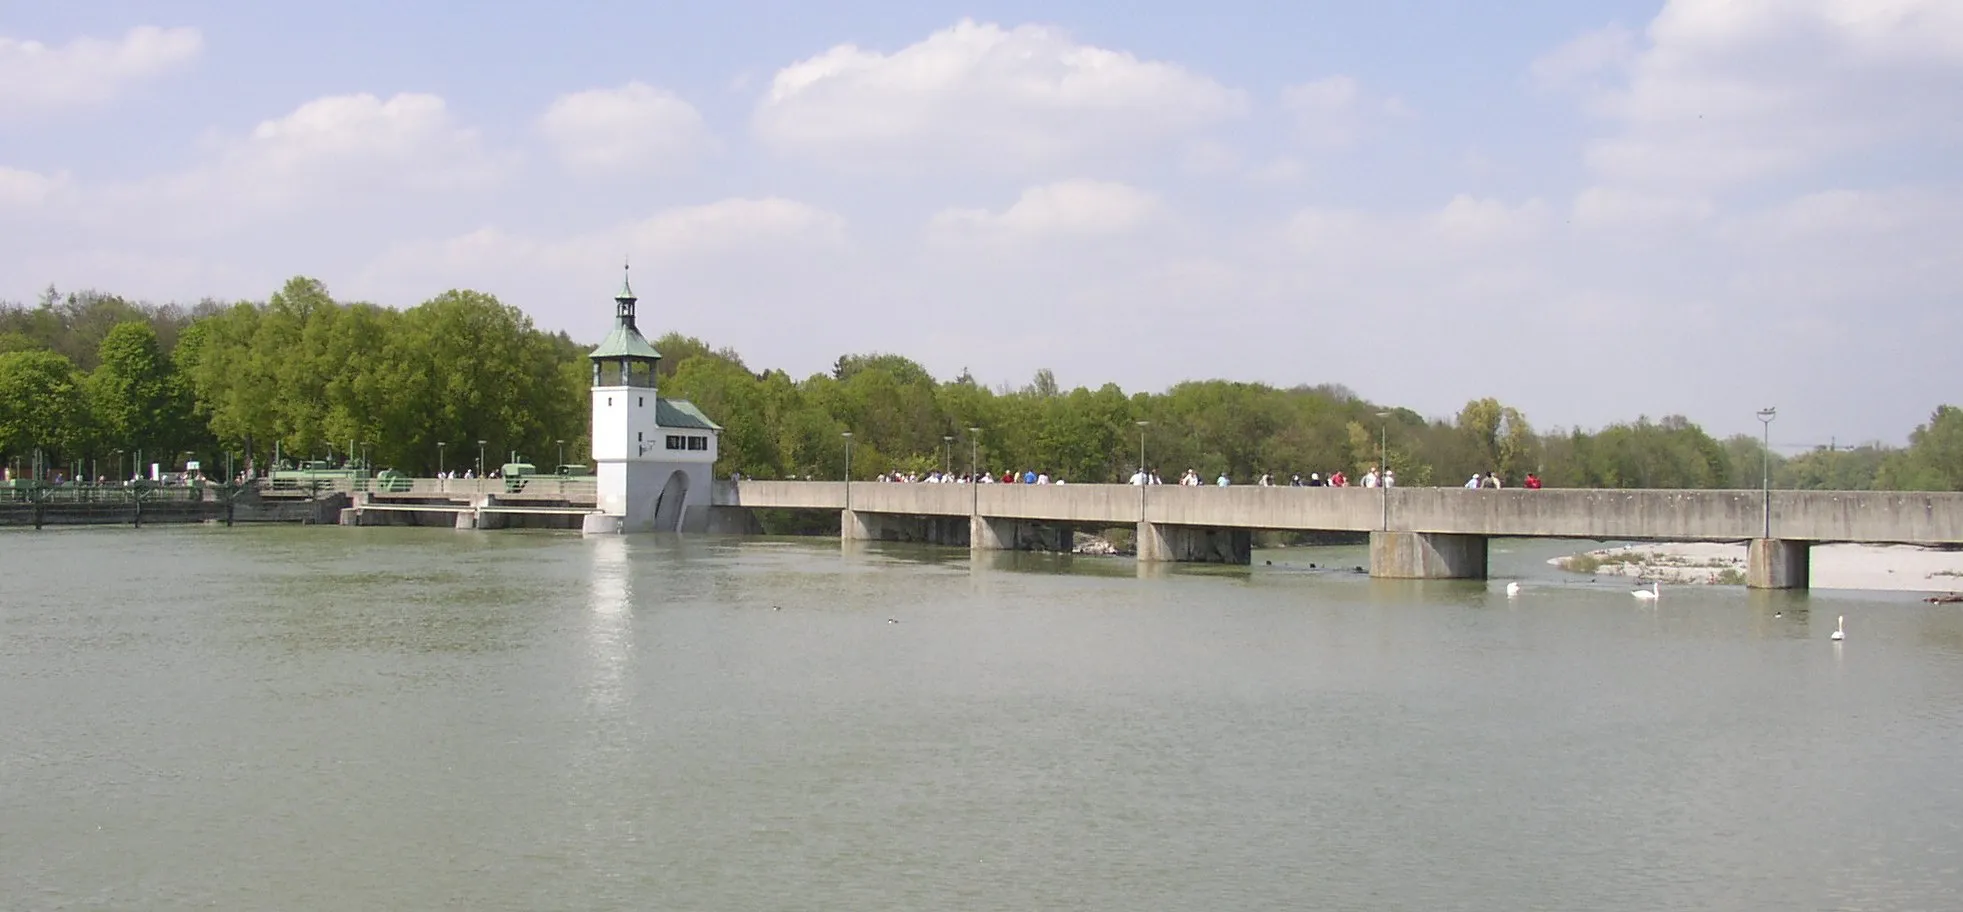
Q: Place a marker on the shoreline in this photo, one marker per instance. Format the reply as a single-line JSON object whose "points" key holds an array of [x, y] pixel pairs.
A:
{"points": [[1894, 568]]}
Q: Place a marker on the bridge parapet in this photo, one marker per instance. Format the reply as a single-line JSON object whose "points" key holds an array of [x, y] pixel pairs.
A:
{"points": [[1655, 515]]}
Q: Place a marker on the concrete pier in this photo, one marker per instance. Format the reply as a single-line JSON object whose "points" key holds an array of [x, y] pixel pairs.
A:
{"points": [[1772, 563], [1194, 544], [859, 525], [989, 533], [1427, 555]]}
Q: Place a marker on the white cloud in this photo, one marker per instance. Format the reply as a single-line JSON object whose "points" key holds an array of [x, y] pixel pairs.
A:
{"points": [[635, 127], [89, 71], [672, 235], [1583, 62], [1336, 110], [335, 151], [1076, 208], [1614, 209], [28, 189], [1730, 92], [1474, 220], [981, 95]]}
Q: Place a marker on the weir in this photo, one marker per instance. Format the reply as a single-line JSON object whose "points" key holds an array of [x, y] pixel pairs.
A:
{"points": [[1416, 533]]}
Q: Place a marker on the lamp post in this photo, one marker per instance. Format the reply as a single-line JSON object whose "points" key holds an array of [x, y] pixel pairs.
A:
{"points": [[1765, 452], [1383, 464], [848, 469], [439, 457], [562, 456], [1144, 477], [974, 474], [947, 455], [480, 461]]}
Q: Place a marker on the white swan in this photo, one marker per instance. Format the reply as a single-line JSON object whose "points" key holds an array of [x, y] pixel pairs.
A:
{"points": [[1839, 629], [1513, 590], [1654, 592]]}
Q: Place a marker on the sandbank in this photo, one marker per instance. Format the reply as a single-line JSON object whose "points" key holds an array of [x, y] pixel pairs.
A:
{"points": [[1904, 568]]}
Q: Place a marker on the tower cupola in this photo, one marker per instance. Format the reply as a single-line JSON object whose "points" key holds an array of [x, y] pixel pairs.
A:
{"points": [[624, 358]]}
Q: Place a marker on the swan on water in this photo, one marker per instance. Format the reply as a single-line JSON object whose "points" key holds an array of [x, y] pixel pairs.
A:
{"points": [[1839, 628], [1654, 592], [1513, 590]]}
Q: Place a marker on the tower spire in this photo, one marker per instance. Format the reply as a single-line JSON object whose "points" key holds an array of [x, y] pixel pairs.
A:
{"points": [[626, 287]]}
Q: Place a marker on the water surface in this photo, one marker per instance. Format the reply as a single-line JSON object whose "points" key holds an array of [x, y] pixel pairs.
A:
{"points": [[326, 718]]}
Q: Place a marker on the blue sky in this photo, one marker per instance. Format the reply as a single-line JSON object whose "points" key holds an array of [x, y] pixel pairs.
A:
{"points": [[1592, 211]]}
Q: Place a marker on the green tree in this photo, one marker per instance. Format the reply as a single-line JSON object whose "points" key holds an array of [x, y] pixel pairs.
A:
{"points": [[1934, 458], [136, 397], [42, 406]]}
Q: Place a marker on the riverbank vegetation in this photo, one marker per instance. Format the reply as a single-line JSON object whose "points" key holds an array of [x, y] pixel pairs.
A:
{"points": [[87, 381]]}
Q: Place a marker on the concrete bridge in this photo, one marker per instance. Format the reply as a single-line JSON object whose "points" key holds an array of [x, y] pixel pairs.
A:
{"points": [[1415, 533]]}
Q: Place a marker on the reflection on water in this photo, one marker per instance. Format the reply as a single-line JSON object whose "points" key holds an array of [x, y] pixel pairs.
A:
{"points": [[415, 718], [609, 632]]}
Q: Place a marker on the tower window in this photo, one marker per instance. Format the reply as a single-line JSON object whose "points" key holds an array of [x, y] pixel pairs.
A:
{"points": [[698, 443], [639, 436], [643, 403], [675, 442], [609, 402]]}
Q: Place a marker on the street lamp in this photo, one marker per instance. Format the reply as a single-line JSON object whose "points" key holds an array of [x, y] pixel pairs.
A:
{"points": [[1383, 467], [1383, 445], [439, 457], [1765, 452], [947, 460], [480, 460], [562, 456], [848, 468], [1144, 478]]}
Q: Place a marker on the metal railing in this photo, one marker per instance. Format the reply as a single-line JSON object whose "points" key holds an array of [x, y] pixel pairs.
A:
{"points": [[569, 487], [85, 493]]}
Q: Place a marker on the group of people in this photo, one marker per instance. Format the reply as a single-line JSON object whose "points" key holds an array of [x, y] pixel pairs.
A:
{"points": [[1386, 478], [1492, 481], [1336, 479], [1026, 476]]}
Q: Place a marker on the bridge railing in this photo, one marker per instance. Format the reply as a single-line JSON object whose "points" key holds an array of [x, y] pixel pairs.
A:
{"points": [[1686, 515], [531, 486]]}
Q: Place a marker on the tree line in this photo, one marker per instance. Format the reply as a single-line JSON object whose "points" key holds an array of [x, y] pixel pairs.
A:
{"points": [[89, 380]]}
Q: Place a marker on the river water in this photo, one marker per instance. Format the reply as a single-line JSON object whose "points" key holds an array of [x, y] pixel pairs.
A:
{"points": [[365, 719]]}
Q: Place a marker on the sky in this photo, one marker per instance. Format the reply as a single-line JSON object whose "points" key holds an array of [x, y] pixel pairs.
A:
{"points": [[1592, 211]]}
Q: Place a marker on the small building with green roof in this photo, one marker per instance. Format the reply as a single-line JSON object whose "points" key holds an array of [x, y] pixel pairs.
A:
{"points": [[655, 457]]}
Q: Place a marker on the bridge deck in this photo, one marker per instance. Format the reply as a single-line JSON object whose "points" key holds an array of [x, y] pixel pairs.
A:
{"points": [[1822, 516]]}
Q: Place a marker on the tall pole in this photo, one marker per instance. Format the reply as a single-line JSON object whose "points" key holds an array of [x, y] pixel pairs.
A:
{"points": [[562, 456], [974, 472], [439, 457], [1765, 478], [1383, 464], [480, 462], [1144, 476], [947, 458], [848, 469]]}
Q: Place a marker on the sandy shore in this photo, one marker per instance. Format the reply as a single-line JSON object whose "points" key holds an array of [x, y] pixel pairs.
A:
{"points": [[1892, 567]]}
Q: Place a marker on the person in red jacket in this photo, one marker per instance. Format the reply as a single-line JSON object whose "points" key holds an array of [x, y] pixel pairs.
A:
{"points": [[1533, 482]]}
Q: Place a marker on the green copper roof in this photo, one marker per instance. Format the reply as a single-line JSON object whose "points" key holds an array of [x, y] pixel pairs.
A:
{"points": [[624, 342], [681, 413]]}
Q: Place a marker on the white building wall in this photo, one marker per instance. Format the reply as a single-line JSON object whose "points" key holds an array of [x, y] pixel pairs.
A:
{"points": [[636, 469]]}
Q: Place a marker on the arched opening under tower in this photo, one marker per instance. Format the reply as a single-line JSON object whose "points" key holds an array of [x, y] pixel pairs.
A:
{"points": [[669, 504]]}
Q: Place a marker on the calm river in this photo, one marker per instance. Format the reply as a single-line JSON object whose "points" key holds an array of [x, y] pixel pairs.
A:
{"points": [[406, 719]]}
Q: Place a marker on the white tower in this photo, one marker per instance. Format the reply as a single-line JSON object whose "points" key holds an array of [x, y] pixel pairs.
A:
{"points": [[655, 455]]}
